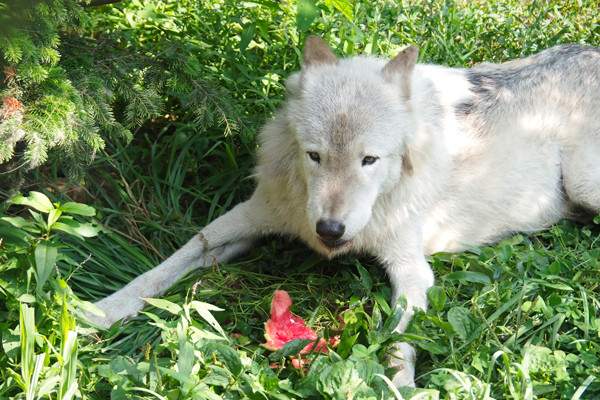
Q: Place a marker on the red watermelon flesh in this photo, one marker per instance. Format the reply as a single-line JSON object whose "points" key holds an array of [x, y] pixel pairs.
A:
{"points": [[283, 326]]}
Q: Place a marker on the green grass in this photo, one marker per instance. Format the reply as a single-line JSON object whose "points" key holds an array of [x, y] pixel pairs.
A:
{"points": [[518, 320]]}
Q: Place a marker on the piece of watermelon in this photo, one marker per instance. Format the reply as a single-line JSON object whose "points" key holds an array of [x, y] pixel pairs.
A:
{"points": [[283, 326]]}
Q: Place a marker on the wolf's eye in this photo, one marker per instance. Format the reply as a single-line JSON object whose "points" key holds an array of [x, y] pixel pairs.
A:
{"points": [[314, 156], [369, 160]]}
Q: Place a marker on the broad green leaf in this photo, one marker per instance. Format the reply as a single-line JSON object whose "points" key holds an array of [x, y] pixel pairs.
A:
{"points": [[434, 348], [343, 6], [294, 346], [27, 298], [306, 13], [78, 209], [446, 326], [463, 322], [539, 359], [17, 239], [437, 298], [368, 368], [47, 386], [376, 320], [164, 305], [505, 253], [181, 378], [27, 323], [76, 228], [17, 222], [218, 376], [385, 307], [185, 361], [53, 216], [365, 278], [468, 276], [338, 376], [394, 319], [225, 354], [342, 381], [204, 310], [554, 300], [36, 200], [360, 351], [11, 344], [347, 341], [246, 36], [554, 268], [45, 257]]}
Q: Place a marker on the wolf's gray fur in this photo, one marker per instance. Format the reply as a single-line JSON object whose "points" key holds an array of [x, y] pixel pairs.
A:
{"points": [[400, 160]]}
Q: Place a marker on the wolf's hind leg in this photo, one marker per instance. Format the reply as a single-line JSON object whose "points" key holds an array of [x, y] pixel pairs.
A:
{"points": [[581, 174], [228, 236]]}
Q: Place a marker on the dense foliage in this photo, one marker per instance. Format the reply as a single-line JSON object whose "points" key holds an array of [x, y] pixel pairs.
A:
{"points": [[75, 79], [146, 111]]}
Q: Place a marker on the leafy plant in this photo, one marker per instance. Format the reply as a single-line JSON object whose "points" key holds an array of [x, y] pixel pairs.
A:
{"points": [[37, 379], [31, 249], [39, 233], [194, 362], [524, 311]]}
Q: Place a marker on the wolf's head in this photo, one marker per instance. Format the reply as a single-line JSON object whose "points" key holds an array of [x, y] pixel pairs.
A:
{"points": [[352, 121]]}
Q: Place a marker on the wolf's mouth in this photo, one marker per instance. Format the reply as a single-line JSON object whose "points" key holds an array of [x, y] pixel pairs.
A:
{"points": [[333, 245]]}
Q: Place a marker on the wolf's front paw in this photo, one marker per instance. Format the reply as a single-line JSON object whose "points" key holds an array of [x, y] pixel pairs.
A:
{"points": [[114, 309], [404, 360], [103, 321]]}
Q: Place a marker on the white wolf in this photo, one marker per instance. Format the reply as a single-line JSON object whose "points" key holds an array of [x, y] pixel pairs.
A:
{"points": [[401, 160]]}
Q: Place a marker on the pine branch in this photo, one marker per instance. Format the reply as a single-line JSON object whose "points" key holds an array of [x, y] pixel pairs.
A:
{"points": [[205, 97], [78, 89]]}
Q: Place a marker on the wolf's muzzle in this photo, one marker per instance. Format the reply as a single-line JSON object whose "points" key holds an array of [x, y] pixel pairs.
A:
{"points": [[330, 233], [330, 229]]}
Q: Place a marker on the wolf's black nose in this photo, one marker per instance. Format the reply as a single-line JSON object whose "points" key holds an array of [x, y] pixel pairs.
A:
{"points": [[330, 229]]}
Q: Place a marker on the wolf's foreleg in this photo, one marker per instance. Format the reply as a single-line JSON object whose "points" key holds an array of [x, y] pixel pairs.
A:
{"points": [[225, 238], [410, 275], [412, 280]]}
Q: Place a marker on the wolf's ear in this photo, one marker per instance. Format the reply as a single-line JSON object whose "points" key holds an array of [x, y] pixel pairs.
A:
{"points": [[402, 67], [407, 165], [317, 52]]}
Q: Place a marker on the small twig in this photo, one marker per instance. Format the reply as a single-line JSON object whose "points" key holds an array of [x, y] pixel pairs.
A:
{"points": [[95, 3], [78, 267]]}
